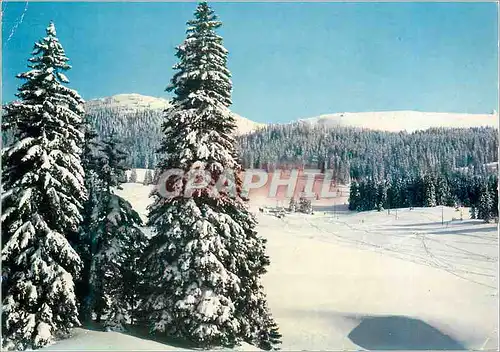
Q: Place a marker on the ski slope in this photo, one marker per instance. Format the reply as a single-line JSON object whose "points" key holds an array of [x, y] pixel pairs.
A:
{"points": [[372, 280]]}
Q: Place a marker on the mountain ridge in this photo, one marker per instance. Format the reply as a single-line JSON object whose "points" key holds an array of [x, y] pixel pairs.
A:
{"points": [[403, 120], [392, 121], [133, 102]]}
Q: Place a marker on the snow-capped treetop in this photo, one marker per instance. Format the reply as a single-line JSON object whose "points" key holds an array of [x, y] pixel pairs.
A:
{"points": [[43, 188], [199, 126], [47, 65], [48, 131], [51, 29], [202, 66]]}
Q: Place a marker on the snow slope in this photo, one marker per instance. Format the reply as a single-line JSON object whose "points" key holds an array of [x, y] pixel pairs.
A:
{"points": [[129, 103], [382, 120], [403, 120], [91, 340], [368, 280], [371, 280]]}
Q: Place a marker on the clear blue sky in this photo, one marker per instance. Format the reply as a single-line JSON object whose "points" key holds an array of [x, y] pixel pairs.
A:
{"points": [[288, 60]]}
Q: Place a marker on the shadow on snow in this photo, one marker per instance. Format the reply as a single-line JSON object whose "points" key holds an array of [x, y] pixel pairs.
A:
{"points": [[400, 333]]}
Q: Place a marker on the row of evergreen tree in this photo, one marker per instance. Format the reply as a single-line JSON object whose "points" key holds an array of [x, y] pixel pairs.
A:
{"points": [[351, 153], [150, 177], [354, 153], [73, 249], [139, 131], [459, 189]]}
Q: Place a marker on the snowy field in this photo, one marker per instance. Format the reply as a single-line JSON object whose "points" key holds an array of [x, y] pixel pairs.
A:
{"points": [[353, 281], [368, 280]]}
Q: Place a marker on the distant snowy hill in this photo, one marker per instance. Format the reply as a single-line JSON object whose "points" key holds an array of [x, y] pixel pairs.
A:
{"points": [[410, 121], [129, 102], [136, 121], [393, 121], [133, 103]]}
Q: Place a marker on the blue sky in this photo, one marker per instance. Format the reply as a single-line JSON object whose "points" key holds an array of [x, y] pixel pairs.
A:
{"points": [[288, 60]]}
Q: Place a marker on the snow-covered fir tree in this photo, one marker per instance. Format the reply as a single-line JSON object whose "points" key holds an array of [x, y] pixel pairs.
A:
{"points": [[485, 205], [133, 176], [472, 211], [148, 178], [205, 260], [292, 206], [443, 196], [381, 196], [122, 275], [118, 245], [156, 176], [42, 195], [353, 195], [85, 245], [430, 191], [493, 190], [305, 205]]}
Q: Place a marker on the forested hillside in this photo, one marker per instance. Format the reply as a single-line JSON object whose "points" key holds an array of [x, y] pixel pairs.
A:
{"points": [[354, 153], [136, 121], [138, 131], [351, 152]]}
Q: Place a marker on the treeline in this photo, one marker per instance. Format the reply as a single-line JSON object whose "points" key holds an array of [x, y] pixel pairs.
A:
{"points": [[351, 153], [354, 153], [459, 189], [139, 132]]}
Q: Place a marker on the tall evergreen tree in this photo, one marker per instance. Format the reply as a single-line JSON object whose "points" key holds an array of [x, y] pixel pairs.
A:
{"points": [[493, 189], [43, 190], [381, 196], [205, 261], [88, 230], [473, 211], [430, 191], [485, 205], [133, 176], [156, 176], [118, 244], [353, 196], [148, 178]]}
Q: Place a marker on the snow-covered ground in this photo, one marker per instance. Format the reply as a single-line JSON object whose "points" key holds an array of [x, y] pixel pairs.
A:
{"points": [[372, 280], [92, 340], [137, 194]]}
